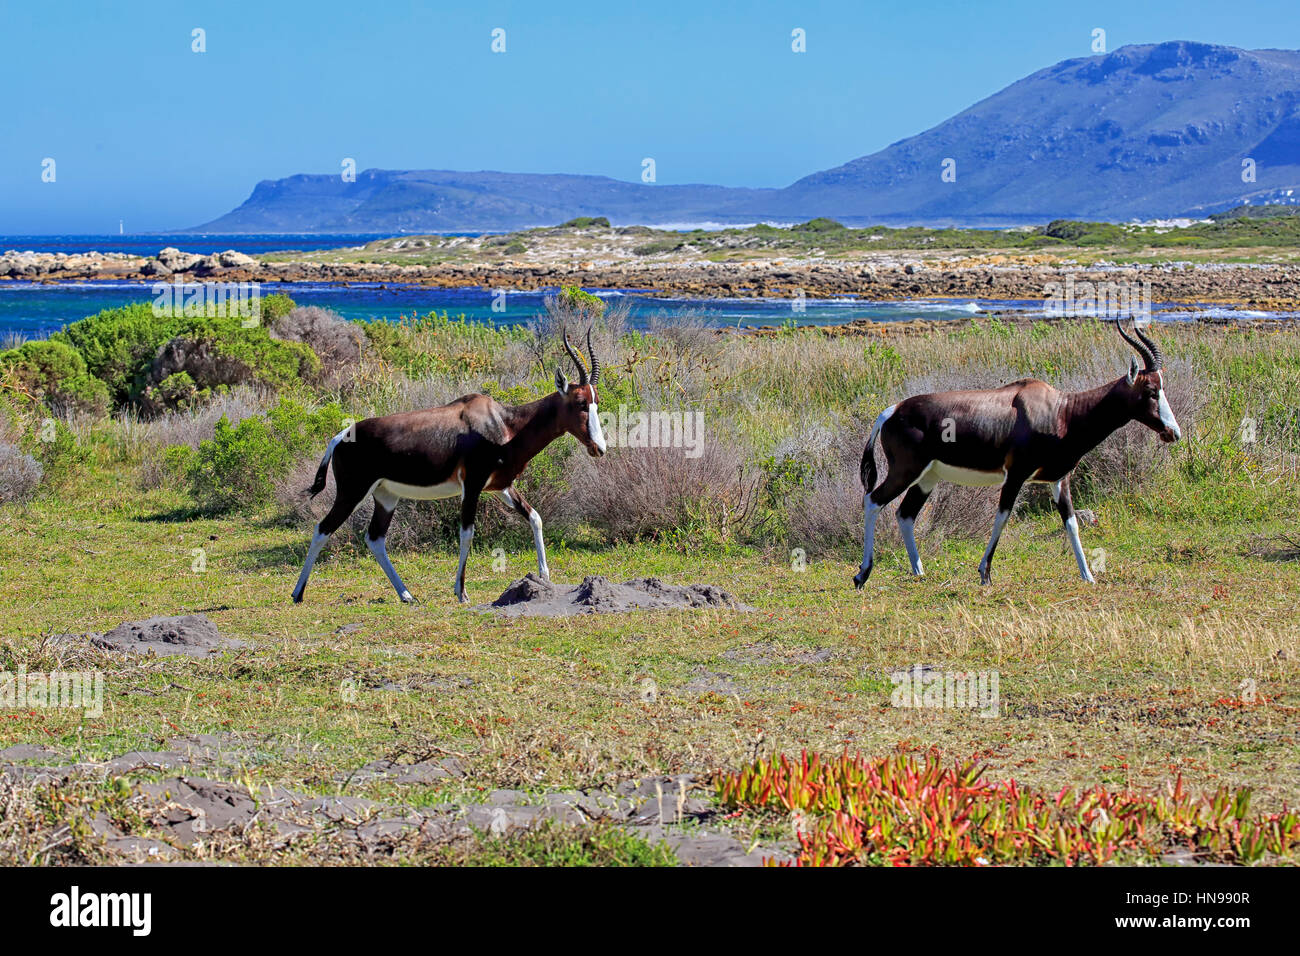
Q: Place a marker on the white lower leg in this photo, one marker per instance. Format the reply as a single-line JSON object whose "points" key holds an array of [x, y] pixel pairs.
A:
{"points": [[870, 512], [535, 522], [313, 551], [380, 550], [998, 522], [906, 527], [466, 536], [1072, 532]]}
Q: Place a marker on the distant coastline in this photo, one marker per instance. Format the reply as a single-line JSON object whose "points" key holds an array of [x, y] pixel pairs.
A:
{"points": [[149, 243], [885, 276]]}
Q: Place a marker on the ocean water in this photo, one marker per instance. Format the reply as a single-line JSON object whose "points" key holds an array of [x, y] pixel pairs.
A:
{"points": [[33, 310]]}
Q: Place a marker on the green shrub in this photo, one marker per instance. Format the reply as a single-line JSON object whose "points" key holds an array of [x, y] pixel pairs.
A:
{"points": [[435, 344], [239, 466], [55, 372], [117, 345], [176, 391], [122, 348], [820, 224], [275, 306], [217, 352], [580, 302], [55, 446], [586, 222], [656, 246]]}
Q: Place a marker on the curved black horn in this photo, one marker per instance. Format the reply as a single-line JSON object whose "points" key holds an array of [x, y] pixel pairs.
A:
{"points": [[582, 369], [1138, 347], [1157, 359], [595, 362]]}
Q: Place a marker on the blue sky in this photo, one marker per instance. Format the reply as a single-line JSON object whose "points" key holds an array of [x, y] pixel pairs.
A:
{"points": [[145, 130]]}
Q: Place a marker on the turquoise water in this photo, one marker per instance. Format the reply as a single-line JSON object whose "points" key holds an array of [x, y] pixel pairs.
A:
{"points": [[34, 310]]}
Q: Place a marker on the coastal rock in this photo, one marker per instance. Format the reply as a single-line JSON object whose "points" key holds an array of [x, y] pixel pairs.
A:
{"points": [[231, 259], [178, 261], [208, 265]]}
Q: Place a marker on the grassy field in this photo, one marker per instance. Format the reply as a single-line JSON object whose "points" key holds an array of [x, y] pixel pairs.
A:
{"points": [[1181, 662]]}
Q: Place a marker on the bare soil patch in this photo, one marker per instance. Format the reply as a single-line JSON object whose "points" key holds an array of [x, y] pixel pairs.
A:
{"points": [[533, 597], [192, 635]]}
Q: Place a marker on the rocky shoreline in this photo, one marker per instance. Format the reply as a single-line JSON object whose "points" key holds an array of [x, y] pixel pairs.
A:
{"points": [[1268, 287]]}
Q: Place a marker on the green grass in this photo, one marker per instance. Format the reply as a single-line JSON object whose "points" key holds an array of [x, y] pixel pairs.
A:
{"points": [[1130, 672], [1181, 660], [554, 845]]}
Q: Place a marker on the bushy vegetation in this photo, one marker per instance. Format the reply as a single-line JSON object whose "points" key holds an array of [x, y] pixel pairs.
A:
{"points": [[238, 467], [774, 470], [20, 474], [133, 351], [56, 373], [784, 418], [901, 811], [586, 222], [829, 236]]}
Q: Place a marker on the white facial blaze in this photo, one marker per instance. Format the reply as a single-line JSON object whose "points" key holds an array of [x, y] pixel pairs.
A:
{"points": [[1166, 413], [593, 428]]}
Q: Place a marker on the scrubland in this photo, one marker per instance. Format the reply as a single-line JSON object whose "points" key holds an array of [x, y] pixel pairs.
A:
{"points": [[178, 489]]}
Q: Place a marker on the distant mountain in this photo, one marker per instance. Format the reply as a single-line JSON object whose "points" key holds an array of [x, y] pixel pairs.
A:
{"points": [[442, 201], [1144, 132]]}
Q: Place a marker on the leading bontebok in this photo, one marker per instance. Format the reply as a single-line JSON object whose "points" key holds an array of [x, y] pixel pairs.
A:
{"points": [[1025, 431], [473, 445]]}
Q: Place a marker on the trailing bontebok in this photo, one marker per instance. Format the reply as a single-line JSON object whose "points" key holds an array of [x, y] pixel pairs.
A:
{"points": [[473, 445], [1025, 431]]}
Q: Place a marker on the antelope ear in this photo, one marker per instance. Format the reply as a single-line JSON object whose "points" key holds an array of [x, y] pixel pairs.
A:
{"points": [[561, 383], [1132, 369]]}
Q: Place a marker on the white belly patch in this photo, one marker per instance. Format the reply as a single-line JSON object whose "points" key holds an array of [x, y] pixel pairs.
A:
{"points": [[937, 471], [448, 489]]}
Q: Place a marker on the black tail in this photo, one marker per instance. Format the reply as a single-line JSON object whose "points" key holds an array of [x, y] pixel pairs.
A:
{"points": [[867, 470], [318, 485]]}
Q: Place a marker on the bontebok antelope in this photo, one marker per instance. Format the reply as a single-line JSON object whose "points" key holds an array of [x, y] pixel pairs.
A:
{"points": [[473, 445], [1025, 431]]}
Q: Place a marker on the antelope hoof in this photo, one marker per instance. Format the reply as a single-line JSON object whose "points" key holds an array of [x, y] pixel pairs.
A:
{"points": [[986, 576], [297, 597], [406, 598], [860, 578], [462, 597]]}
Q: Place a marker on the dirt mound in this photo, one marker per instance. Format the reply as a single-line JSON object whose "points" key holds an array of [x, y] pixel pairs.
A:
{"points": [[190, 634], [531, 596]]}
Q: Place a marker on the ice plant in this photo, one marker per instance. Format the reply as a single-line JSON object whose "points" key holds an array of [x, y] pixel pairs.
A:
{"points": [[900, 811]]}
